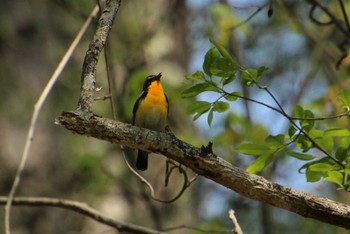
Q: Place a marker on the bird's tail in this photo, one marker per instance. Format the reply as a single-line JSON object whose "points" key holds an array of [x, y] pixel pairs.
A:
{"points": [[142, 160]]}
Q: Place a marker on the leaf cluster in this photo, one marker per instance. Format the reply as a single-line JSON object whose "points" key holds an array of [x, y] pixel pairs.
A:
{"points": [[325, 151], [219, 70]]}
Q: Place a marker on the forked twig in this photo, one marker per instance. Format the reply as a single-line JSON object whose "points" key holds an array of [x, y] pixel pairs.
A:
{"points": [[185, 185], [37, 108]]}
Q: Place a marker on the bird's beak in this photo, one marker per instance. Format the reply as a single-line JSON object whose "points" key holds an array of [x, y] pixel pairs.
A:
{"points": [[158, 76]]}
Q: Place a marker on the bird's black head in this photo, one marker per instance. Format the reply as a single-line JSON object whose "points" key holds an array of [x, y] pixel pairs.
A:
{"points": [[150, 79]]}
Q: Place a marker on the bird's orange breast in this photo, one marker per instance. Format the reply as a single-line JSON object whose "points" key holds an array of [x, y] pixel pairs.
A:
{"points": [[156, 97], [153, 109]]}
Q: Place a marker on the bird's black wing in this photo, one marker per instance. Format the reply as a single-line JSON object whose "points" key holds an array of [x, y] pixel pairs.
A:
{"points": [[137, 103]]}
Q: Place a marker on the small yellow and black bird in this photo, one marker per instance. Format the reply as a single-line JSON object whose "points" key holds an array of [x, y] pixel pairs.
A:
{"points": [[150, 111]]}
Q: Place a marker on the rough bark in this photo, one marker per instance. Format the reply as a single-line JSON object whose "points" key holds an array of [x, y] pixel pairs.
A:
{"points": [[209, 165]]}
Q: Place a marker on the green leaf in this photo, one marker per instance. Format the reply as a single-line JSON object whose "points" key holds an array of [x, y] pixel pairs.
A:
{"points": [[229, 79], [316, 133], [321, 167], [337, 132], [313, 176], [233, 96], [221, 106], [275, 141], [325, 142], [291, 131], [249, 77], [341, 154], [345, 142], [210, 57], [253, 149], [298, 112], [344, 96], [301, 156], [260, 163], [197, 89], [335, 177], [304, 143], [347, 168], [199, 107], [262, 70], [210, 117], [221, 48], [347, 186], [223, 67], [307, 125], [198, 75]]}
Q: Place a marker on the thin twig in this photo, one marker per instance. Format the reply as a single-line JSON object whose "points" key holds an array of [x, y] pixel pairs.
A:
{"points": [[143, 180], [314, 143], [108, 96], [334, 19], [108, 71], [324, 118], [88, 76], [279, 111], [345, 15], [175, 228], [236, 228], [249, 18], [37, 108], [315, 20], [109, 79], [185, 185], [291, 119]]}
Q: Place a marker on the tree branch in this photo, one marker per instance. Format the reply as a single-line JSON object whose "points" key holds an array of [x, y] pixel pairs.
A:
{"points": [[80, 208], [236, 228], [210, 166], [334, 19], [88, 76], [37, 108]]}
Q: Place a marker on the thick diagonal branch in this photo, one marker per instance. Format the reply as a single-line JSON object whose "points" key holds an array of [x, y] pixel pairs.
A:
{"points": [[211, 167]]}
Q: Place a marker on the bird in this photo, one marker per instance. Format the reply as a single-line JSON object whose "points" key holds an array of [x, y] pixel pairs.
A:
{"points": [[150, 111]]}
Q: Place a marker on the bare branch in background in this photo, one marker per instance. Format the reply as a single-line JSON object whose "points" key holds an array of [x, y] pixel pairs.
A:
{"points": [[342, 25], [88, 76], [81, 208], [37, 108]]}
